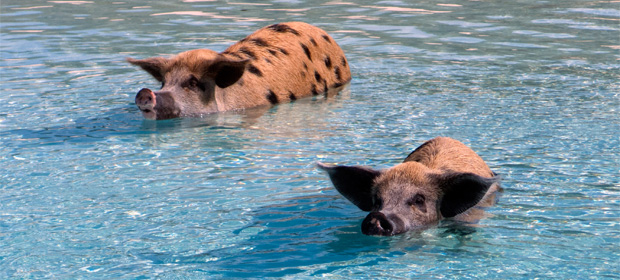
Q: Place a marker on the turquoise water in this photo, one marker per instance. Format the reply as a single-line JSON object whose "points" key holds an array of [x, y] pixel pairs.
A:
{"points": [[88, 189]]}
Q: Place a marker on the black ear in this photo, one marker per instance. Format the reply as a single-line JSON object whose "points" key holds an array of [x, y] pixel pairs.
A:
{"points": [[353, 182], [154, 66], [226, 72], [462, 191]]}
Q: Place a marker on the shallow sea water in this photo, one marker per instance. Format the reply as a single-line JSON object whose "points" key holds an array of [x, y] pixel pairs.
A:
{"points": [[88, 189]]}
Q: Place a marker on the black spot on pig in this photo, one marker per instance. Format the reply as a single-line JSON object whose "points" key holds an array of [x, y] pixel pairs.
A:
{"points": [[283, 28], [317, 76], [272, 97], [314, 91], [252, 69], [233, 54], [313, 42], [328, 62], [307, 51], [291, 96], [259, 42], [283, 51], [248, 52], [326, 38], [338, 73]]}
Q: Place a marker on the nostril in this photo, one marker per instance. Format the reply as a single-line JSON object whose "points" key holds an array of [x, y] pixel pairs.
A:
{"points": [[376, 223], [145, 99], [385, 225]]}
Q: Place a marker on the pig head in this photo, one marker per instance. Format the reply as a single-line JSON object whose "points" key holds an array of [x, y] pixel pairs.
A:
{"points": [[188, 83], [277, 63], [443, 178]]}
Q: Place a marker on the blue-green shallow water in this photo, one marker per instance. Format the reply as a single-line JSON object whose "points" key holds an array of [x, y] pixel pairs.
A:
{"points": [[88, 189]]}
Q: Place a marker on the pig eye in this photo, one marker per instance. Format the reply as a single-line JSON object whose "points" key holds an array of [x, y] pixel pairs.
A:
{"points": [[418, 201], [193, 82]]}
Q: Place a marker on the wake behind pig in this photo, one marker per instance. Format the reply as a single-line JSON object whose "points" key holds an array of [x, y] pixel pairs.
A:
{"points": [[278, 63]]}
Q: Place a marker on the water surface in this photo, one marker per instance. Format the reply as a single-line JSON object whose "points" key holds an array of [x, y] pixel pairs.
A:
{"points": [[88, 189]]}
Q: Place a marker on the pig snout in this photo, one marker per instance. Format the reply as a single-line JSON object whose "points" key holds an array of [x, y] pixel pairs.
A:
{"points": [[145, 99], [377, 223]]}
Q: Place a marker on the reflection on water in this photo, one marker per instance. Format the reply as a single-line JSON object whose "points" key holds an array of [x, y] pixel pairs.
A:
{"points": [[90, 189]]}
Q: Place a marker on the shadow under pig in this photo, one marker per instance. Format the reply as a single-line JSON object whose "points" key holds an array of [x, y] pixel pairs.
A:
{"points": [[123, 122], [312, 235]]}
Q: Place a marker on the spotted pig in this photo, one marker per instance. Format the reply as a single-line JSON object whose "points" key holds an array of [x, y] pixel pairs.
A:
{"points": [[278, 63], [442, 178]]}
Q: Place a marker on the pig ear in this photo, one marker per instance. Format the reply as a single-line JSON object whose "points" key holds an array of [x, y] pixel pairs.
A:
{"points": [[353, 182], [154, 66], [461, 192], [226, 72]]}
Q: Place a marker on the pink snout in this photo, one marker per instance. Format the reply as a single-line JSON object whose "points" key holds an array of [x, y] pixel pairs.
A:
{"points": [[145, 99]]}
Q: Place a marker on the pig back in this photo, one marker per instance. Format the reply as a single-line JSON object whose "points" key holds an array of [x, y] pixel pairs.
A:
{"points": [[287, 61], [445, 153]]}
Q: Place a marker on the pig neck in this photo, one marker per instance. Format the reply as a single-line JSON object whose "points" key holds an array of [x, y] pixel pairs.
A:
{"points": [[219, 103], [455, 157], [237, 96]]}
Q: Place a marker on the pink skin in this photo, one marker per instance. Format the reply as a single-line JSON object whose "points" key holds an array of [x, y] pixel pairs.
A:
{"points": [[146, 101]]}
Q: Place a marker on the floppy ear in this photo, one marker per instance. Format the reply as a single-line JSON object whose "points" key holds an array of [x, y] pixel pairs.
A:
{"points": [[154, 66], [462, 191], [225, 71], [353, 182]]}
